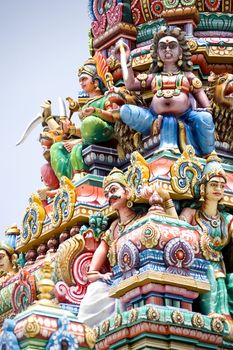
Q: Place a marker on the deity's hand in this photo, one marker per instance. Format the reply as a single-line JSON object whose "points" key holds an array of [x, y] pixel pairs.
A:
{"points": [[116, 52], [46, 113], [69, 146], [93, 276], [164, 194], [106, 276], [146, 191], [88, 111]]}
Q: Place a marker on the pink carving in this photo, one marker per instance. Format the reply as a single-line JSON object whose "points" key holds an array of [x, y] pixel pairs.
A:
{"points": [[98, 26], [114, 14], [75, 294]]}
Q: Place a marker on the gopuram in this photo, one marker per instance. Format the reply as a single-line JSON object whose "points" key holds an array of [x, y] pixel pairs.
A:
{"points": [[129, 243]]}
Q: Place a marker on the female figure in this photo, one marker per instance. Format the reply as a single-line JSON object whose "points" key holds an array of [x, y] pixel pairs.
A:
{"points": [[172, 84], [96, 126], [216, 231]]}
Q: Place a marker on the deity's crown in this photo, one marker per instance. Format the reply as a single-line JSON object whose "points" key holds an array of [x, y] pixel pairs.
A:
{"points": [[213, 168], [116, 175], [7, 248], [89, 68]]}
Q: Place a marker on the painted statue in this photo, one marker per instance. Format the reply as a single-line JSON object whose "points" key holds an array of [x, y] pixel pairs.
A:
{"points": [[175, 89], [216, 233], [97, 117], [117, 193], [97, 305]]}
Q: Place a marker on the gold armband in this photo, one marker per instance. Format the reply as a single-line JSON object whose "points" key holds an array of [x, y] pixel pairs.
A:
{"points": [[168, 204], [196, 83], [91, 273], [98, 112], [142, 78]]}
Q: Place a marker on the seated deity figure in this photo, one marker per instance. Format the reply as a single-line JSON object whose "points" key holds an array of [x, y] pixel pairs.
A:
{"points": [[217, 228], [96, 304], [175, 90], [97, 123]]}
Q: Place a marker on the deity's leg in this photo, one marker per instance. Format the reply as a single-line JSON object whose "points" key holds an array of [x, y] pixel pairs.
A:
{"points": [[77, 158], [169, 132], [138, 118], [216, 300], [95, 130], [199, 131], [60, 160]]}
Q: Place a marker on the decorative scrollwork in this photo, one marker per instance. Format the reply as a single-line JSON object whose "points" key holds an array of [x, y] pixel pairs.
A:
{"points": [[178, 256], [66, 254], [24, 292], [64, 201], [150, 235], [128, 257], [186, 172], [33, 219], [138, 174]]}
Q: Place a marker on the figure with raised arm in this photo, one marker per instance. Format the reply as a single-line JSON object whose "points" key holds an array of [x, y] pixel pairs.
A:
{"points": [[97, 305], [175, 89], [216, 233]]}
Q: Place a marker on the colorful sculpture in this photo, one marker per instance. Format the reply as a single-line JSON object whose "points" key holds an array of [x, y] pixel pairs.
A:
{"points": [[171, 82], [161, 264], [216, 231]]}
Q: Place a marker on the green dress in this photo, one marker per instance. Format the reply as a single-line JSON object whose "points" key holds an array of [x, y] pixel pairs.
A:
{"points": [[213, 240], [93, 130]]}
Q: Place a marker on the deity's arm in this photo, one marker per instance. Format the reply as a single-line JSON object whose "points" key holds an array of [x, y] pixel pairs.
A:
{"points": [[187, 215], [141, 81], [97, 262], [197, 91]]}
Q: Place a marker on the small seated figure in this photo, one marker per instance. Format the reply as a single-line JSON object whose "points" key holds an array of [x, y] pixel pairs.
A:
{"points": [[217, 229], [175, 88], [97, 124]]}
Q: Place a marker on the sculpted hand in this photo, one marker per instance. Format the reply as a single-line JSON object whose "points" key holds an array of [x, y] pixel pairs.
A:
{"points": [[106, 276], [68, 146], [116, 52], [88, 111], [162, 193]]}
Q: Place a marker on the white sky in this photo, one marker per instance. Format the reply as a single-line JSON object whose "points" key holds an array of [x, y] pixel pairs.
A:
{"points": [[42, 43]]}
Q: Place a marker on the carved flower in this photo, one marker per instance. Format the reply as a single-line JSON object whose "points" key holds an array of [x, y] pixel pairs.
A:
{"points": [[217, 325], [133, 315], [118, 320], [198, 321], [177, 317], [153, 314], [105, 326]]}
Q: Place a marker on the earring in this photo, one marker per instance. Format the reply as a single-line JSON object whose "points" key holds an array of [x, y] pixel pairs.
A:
{"points": [[159, 62], [129, 204], [202, 194], [180, 61]]}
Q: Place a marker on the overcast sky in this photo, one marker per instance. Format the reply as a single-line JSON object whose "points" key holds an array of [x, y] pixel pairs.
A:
{"points": [[43, 42]]}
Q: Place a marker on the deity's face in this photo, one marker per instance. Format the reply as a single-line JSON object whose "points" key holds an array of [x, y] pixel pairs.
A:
{"points": [[5, 262], [169, 49], [86, 83], [215, 188], [116, 195]]}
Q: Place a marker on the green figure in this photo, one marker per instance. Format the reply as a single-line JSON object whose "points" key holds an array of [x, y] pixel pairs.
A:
{"points": [[216, 228], [96, 126]]}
